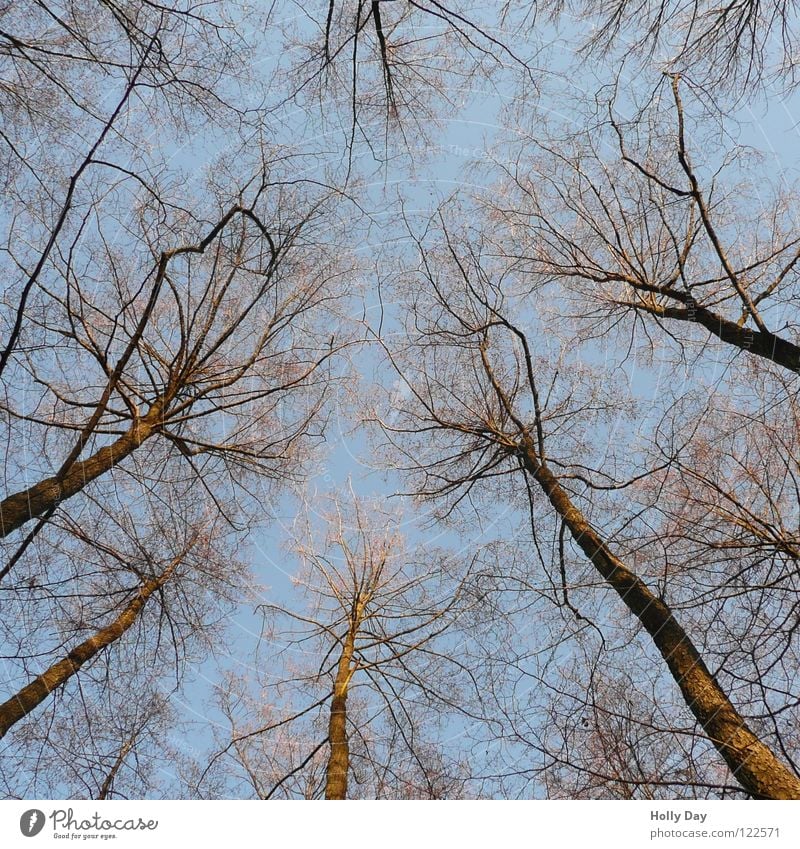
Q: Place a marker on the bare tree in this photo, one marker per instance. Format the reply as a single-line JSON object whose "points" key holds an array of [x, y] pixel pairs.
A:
{"points": [[651, 231], [393, 69], [181, 262], [112, 747], [34, 693], [737, 45], [367, 663], [82, 725], [90, 80], [497, 411], [193, 382]]}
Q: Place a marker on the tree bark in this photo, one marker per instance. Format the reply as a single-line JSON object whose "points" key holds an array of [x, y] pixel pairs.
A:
{"points": [[33, 694], [17, 509], [108, 782], [761, 343], [339, 760], [752, 763]]}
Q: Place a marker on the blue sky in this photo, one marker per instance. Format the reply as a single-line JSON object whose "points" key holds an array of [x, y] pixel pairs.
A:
{"points": [[452, 163]]}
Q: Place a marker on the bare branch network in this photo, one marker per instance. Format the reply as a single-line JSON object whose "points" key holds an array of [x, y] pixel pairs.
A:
{"points": [[337, 465]]}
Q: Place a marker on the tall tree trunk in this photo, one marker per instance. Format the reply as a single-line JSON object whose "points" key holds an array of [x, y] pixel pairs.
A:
{"points": [[17, 509], [33, 694], [108, 782], [752, 763], [339, 760]]}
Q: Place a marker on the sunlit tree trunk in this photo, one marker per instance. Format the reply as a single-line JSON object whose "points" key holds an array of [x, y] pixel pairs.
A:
{"points": [[21, 507], [34, 693], [753, 764], [339, 760]]}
